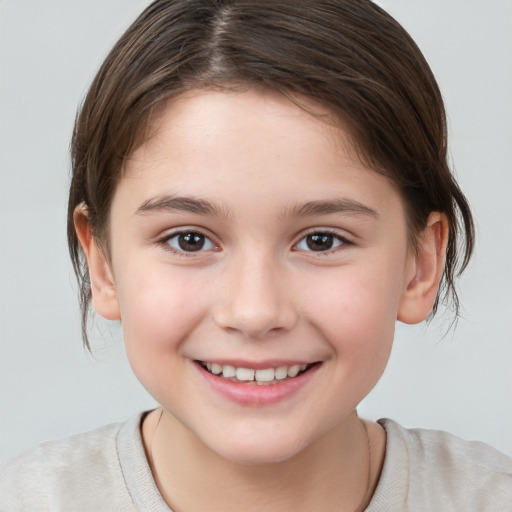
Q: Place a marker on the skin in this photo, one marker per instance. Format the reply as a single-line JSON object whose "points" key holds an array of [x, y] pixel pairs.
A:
{"points": [[257, 293]]}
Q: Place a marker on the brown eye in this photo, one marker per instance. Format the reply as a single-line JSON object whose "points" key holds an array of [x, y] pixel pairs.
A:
{"points": [[190, 241], [320, 242]]}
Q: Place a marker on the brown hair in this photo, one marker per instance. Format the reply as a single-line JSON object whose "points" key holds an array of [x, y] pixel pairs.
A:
{"points": [[348, 55]]}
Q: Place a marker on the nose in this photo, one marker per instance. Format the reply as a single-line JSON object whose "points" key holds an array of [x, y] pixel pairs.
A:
{"points": [[255, 300]]}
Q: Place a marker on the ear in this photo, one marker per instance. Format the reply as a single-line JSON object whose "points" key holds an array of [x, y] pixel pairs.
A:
{"points": [[104, 296], [427, 267]]}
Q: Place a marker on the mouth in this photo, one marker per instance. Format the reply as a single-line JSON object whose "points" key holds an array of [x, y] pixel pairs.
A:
{"points": [[259, 377]]}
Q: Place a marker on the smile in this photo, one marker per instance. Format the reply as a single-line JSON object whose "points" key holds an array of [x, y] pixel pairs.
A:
{"points": [[261, 377]]}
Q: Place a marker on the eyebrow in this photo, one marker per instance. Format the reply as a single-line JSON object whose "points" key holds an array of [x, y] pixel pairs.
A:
{"points": [[327, 207], [204, 207], [177, 203]]}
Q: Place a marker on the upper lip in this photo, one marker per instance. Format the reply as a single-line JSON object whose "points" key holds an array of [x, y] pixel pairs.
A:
{"points": [[257, 365]]}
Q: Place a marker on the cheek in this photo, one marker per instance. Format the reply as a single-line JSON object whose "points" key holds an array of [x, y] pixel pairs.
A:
{"points": [[356, 311], [158, 312]]}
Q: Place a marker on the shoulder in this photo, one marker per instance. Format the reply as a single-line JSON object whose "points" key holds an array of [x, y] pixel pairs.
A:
{"points": [[449, 452], [80, 469], [447, 473]]}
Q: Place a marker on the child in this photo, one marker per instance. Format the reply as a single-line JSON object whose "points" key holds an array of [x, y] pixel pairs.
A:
{"points": [[260, 190]]}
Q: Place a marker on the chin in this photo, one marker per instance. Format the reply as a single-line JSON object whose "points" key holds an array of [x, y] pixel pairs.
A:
{"points": [[259, 450], [259, 457]]}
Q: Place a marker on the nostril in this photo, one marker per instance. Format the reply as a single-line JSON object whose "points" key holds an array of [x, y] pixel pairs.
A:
{"points": [[254, 301], [256, 323]]}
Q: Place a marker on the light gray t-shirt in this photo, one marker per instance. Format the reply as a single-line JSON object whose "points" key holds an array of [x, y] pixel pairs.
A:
{"points": [[107, 470]]}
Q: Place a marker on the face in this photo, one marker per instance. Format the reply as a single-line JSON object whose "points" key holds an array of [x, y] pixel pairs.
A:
{"points": [[247, 239]]}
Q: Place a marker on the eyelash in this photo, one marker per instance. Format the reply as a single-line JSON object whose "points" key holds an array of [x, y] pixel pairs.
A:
{"points": [[165, 242], [337, 239], [342, 241]]}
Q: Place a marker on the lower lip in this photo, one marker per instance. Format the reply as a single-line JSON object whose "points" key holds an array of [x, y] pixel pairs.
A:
{"points": [[254, 394]]}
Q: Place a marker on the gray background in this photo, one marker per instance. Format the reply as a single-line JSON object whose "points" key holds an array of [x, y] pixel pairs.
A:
{"points": [[50, 388]]}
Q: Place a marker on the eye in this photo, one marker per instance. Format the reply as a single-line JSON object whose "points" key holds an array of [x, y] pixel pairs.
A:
{"points": [[321, 242], [189, 241]]}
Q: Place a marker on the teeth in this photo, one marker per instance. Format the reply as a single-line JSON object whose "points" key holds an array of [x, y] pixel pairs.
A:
{"points": [[293, 370], [228, 371], [265, 375], [260, 376], [244, 374], [281, 372]]}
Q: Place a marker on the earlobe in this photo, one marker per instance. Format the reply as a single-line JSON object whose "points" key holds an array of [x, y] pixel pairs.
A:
{"points": [[421, 289], [104, 296]]}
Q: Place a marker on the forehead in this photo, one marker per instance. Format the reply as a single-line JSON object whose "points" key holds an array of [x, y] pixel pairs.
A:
{"points": [[254, 145], [248, 115]]}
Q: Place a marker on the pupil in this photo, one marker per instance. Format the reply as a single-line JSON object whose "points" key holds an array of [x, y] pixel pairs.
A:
{"points": [[319, 242], [191, 241]]}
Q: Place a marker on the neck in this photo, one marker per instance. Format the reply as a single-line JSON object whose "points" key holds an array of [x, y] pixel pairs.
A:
{"points": [[337, 472]]}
